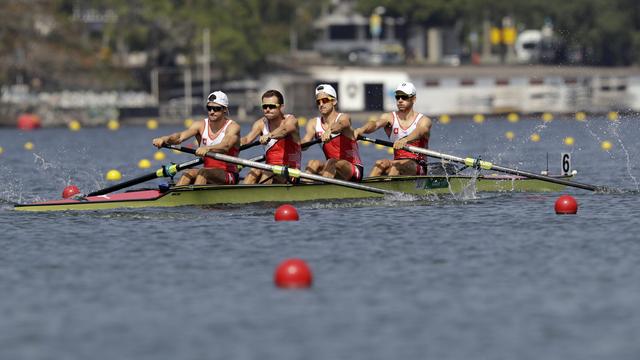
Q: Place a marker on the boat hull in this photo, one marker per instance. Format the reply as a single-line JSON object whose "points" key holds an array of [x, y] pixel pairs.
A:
{"points": [[246, 194]]}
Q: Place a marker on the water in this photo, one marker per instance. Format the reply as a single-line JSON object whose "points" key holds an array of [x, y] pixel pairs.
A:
{"points": [[487, 276]]}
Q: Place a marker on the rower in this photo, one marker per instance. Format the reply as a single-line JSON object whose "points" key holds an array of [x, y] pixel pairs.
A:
{"points": [[280, 135], [341, 151], [215, 133], [403, 127]]}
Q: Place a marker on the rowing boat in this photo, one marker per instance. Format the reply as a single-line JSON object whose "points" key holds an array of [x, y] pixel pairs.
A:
{"points": [[245, 194]]}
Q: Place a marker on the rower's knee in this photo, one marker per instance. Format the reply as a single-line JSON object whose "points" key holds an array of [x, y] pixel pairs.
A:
{"points": [[314, 166]]}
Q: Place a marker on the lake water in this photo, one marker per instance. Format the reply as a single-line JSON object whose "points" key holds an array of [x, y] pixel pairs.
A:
{"points": [[483, 276]]}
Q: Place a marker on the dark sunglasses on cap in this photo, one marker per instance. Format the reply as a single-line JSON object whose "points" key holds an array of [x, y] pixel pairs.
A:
{"points": [[270, 106], [403, 97], [215, 108], [322, 101]]}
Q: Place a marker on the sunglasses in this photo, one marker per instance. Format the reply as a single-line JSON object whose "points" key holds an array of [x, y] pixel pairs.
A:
{"points": [[270, 106], [215, 108], [403, 97], [322, 101]]}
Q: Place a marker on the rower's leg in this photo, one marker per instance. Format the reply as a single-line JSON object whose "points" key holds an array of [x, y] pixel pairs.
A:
{"points": [[188, 177], [211, 176], [403, 167], [343, 170], [253, 177], [314, 166], [381, 167], [330, 168]]}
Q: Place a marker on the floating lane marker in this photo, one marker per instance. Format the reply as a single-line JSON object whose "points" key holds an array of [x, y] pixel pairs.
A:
{"points": [[581, 116], [1, 150], [144, 164], [613, 115], [113, 125], [547, 117], [113, 175], [74, 125], [535, 137], [478, 118], [28, 145], [513, 117], [606, 145], [569, 141], [152, 124], [159, 156], [509, 135], [302, 121], [444, 119], [188, 122]]}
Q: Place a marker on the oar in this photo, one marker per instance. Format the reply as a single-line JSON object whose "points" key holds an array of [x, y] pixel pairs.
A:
{"points": [[164, 171], [283, 170], [473, 162]]}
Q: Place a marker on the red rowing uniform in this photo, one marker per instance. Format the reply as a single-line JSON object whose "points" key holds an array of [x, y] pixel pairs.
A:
{"points": [[283, 151], [341, 148], [398, 132], [207, 139]]}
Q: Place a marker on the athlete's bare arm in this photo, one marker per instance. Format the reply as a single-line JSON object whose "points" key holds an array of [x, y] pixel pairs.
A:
{"points": [[288, 126], [310, 131], [371, 126], [342, 126], [256, 129], [179, 137]]}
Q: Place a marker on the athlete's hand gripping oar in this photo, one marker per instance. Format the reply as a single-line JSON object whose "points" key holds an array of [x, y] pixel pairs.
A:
{"points": [[304, 146], [285, 171], [164, 171], [473, 162]]}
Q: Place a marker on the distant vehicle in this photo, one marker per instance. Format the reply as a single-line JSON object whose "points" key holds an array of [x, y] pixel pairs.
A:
{"points": [[364, 56], [528, 46]]}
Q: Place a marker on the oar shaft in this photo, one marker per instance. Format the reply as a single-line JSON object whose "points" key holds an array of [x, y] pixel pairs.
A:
{"points": [[485, 165], [282, 170]]}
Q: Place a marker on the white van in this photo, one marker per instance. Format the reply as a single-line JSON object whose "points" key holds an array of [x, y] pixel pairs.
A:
{"points": [[527, 46]]}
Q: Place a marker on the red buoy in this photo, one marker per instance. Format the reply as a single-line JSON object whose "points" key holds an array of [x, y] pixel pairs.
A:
{"points": [[293, 274], [566, 204], [69, 191], [286, 213], [28, 122]]}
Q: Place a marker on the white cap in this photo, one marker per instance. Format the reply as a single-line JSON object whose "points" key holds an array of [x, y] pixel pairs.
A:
{"points": [[327, 89], [219, 98], [407, 88]]}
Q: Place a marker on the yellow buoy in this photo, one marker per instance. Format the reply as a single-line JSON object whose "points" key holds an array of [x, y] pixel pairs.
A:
{"points": [[28, 145], [581, 116], [1, 150], [144, 164], [444, 119], [390, 151], [606, 145], [546, 117], [113, 125], [188, 122], [152, 124], [379, 147], [534, 137], [509, 135], [478, 118], [513, 117], [74, 125], [159, 156], [613, 115], [113, 175], [302, 121], [569, 141]]}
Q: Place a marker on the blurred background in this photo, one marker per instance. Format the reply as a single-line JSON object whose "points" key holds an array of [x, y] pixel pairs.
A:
{"points": [[128, 61]]}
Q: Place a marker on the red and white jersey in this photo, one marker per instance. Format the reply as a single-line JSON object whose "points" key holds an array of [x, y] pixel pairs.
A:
{"points": [[340, 147], [398, 132], [283, 151], [208, 139]]}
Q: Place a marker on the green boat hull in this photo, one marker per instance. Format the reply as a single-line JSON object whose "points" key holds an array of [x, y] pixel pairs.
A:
{"points": [[246, 194]]}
